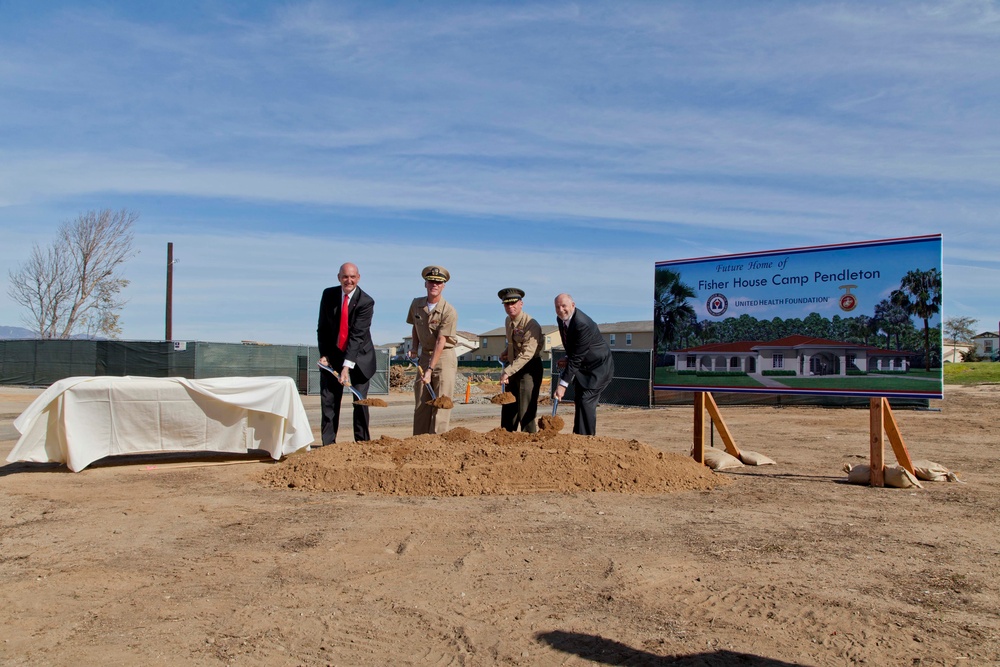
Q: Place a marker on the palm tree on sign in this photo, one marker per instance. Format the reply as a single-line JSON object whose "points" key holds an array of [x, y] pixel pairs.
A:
{"points": [[892, 319], [919, 294], [670, 308]]}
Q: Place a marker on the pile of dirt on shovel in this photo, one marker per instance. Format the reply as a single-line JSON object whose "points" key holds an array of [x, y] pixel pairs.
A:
{"points": [[462, 462]]}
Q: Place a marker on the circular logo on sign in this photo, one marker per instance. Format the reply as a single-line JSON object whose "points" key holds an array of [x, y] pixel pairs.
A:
{"points": [[848, 302], [717, 304]]}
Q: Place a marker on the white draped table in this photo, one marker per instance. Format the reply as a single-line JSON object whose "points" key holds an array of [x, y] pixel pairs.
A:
{"points": [[79, 420]]}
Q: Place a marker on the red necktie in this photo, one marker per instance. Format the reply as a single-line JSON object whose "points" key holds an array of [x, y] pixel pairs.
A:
{"points": [[342, 334]]}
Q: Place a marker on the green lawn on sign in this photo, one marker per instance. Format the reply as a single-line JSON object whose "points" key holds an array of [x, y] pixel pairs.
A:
{"points": [[912, 381], [915, 380], [665, 376]]}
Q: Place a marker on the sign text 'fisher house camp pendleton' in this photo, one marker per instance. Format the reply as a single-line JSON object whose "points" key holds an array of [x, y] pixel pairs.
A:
{"points": [[854, 319]]}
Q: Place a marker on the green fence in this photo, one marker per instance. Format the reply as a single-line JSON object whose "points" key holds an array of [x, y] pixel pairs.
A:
{"points": [[42, 362]]}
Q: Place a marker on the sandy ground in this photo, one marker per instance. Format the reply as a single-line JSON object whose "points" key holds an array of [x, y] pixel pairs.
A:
{"points": [[367, 554]]}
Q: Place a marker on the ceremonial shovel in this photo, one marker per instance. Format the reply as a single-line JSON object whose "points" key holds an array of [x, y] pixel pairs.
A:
{"points": [[429, 389], [420, 374], [376, 402], [553, 423], [443, 403], [504, 397]]}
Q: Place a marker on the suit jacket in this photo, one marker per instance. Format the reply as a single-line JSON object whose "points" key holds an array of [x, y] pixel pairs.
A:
{"points": [[588, 356], [360, 348]]}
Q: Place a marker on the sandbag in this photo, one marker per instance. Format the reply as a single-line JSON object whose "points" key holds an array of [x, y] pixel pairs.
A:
{"points": [[718, 459], [901, 478], [929, 471], [895, 476], [755, 459], [858, 474]]}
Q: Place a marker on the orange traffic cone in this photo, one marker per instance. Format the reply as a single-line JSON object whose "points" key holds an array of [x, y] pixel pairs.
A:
{"points": [[468, 391]]}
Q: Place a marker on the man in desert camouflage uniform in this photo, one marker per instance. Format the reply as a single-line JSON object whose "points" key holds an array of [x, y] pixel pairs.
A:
{"points": [[523, 374], [435, 325]]}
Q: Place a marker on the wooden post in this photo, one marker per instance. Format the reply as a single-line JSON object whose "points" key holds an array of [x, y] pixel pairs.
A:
{"points": [[698, 451], [877, 448], [716, 415], [895, 437], [168, 333]]}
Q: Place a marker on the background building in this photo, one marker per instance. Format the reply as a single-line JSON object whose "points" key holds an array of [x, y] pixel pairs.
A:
{"points": [[636, 335], [987, 343], [492, 343], [466, 343]]}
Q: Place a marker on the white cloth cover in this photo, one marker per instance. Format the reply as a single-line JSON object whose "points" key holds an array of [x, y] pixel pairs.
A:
{"points": [[79, 420]]}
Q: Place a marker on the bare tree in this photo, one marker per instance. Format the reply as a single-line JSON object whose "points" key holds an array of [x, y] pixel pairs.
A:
{"points": [[75, 283], [960, 330]]}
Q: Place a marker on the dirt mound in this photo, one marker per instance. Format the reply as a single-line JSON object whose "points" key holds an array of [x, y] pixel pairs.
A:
{"points": [[462, 462], [374, 402], [554, 423], [441, 403], [505, 398]]}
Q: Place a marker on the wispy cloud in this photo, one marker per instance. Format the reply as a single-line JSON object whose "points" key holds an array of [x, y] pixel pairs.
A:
{"points": [[539, 140]]}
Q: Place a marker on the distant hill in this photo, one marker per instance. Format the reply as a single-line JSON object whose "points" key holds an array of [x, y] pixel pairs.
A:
{"points": [[6, 333], [9, 333]]}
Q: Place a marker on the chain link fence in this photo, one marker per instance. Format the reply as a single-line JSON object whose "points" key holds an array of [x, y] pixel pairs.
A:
{"points": [[378, 384], [633, 381]]}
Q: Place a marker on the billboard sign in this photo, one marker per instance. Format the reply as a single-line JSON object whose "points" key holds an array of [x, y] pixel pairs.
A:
{"points": [[852, 319]]}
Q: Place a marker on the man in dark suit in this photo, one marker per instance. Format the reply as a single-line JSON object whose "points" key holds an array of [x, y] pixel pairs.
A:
{"points": [[587, 364], [345, 345]]}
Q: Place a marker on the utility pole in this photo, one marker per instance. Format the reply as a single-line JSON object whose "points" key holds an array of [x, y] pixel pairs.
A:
{"points": [[169, 335]]}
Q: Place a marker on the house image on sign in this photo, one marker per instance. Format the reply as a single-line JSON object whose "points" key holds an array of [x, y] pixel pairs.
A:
{"points": [[803, 355]]}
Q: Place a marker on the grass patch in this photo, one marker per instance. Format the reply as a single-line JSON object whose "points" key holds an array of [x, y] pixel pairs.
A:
{"points": [[976, 372]]}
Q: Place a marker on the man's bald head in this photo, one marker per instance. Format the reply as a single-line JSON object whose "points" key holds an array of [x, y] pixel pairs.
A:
{"points": [[348, 277], [565, 307]]}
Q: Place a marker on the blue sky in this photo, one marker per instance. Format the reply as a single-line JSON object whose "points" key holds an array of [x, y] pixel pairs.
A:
{"points": [[551, 146]]}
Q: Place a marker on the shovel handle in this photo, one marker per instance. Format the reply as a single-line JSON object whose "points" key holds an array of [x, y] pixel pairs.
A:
{"points": [[349, 386], [420, 372], [555, 406]]}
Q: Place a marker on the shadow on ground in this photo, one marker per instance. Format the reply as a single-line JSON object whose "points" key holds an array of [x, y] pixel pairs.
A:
{"points": [[609, 652]]}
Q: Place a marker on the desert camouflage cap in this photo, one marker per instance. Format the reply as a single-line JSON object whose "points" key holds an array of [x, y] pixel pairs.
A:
{"points": [[436, 274], [510, 295]]}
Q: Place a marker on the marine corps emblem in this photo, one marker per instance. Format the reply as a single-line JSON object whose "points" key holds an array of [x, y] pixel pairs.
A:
{"points": [[848, 301]]}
